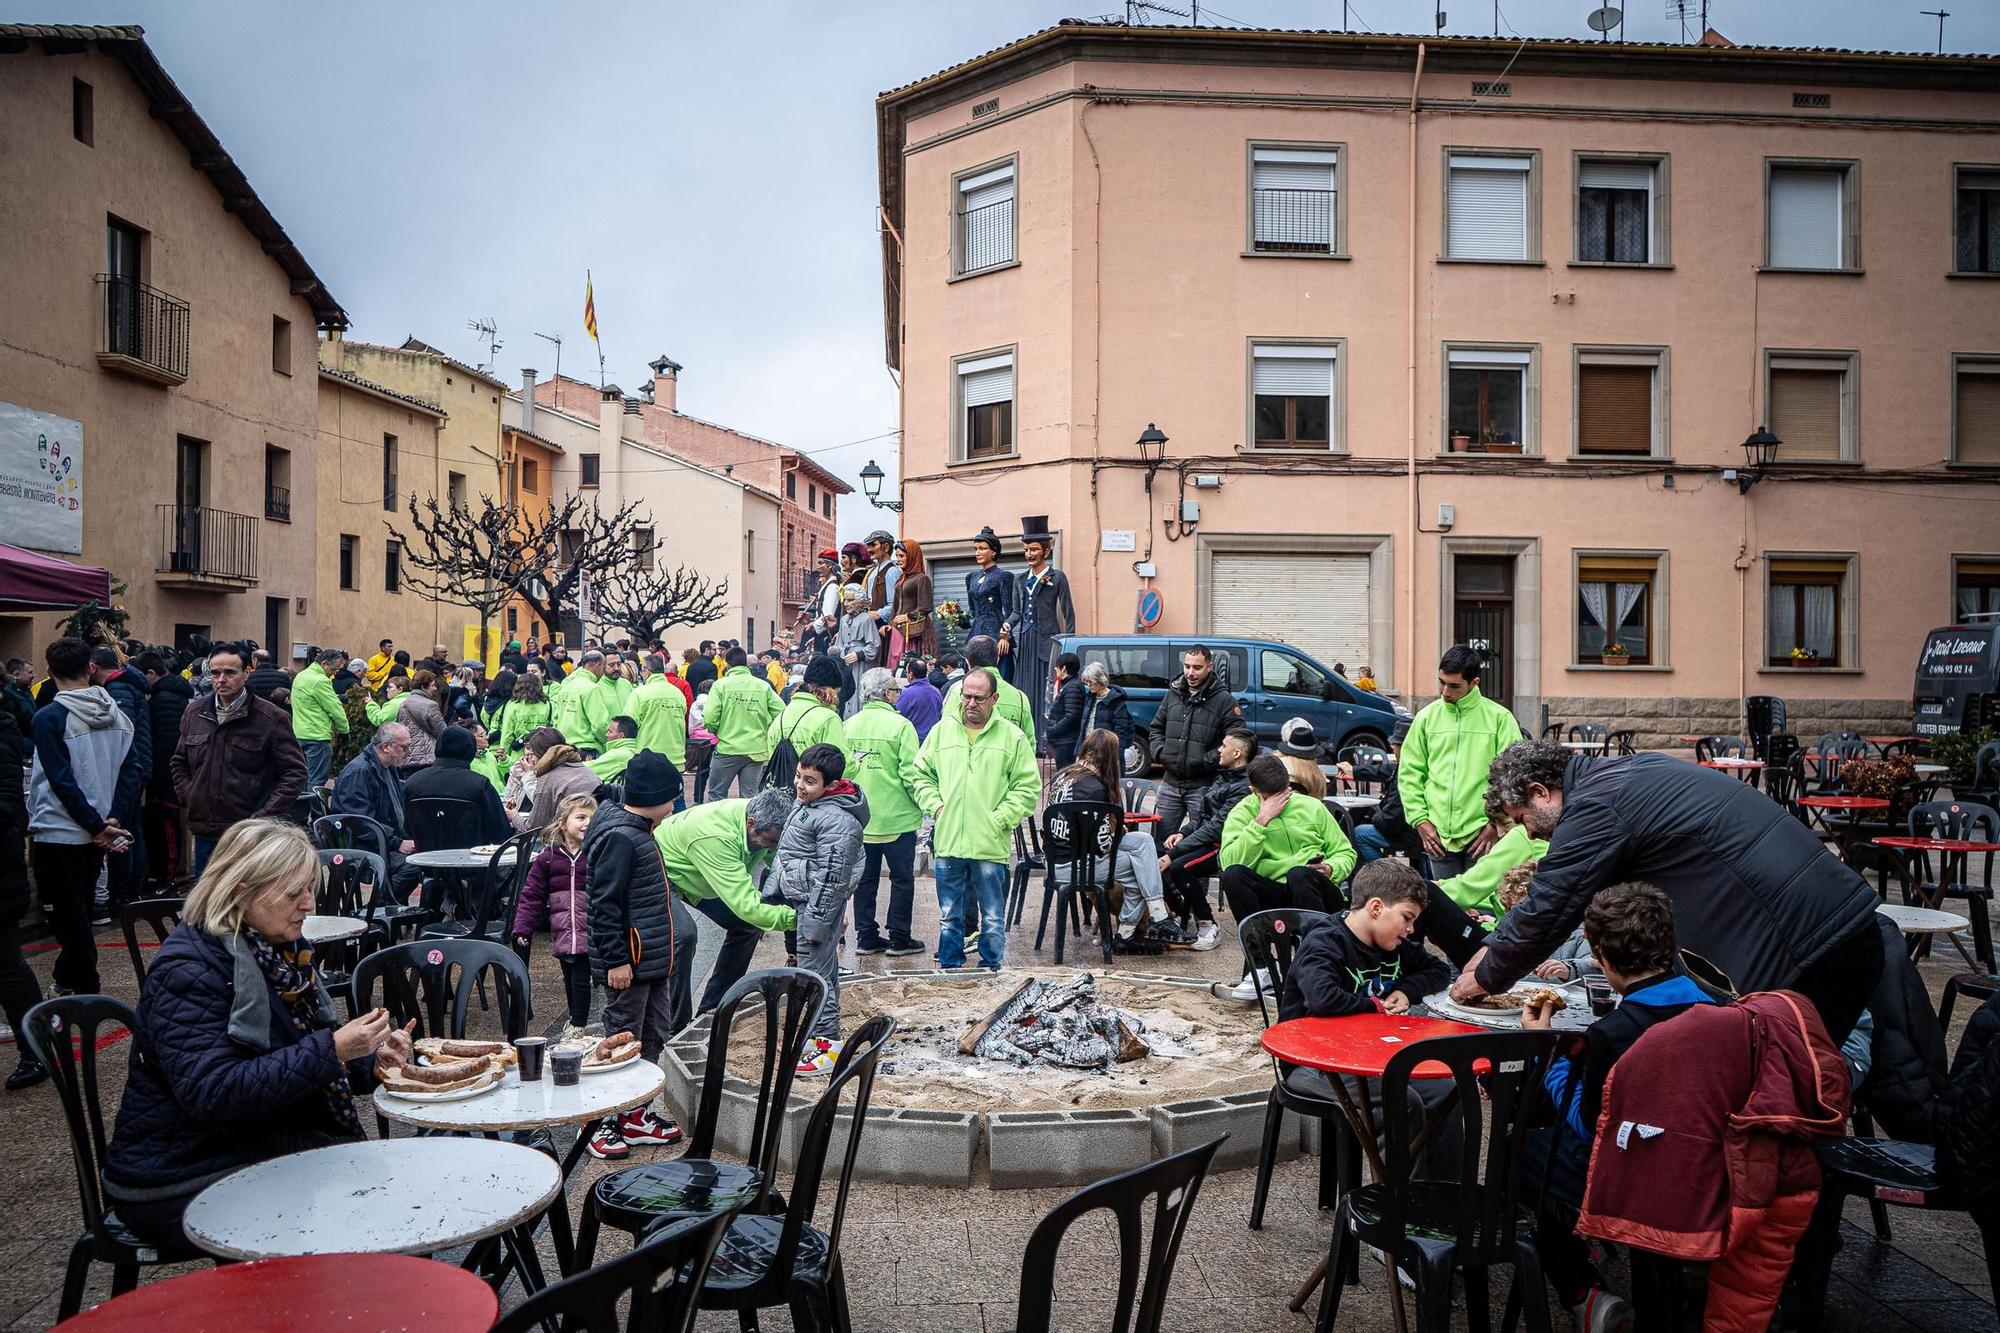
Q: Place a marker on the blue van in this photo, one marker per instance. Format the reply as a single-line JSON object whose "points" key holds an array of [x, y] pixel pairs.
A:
{"points": [[1274, 682]]}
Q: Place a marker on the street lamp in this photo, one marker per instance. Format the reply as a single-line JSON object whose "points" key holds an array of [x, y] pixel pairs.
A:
{"points": [[1760, 450], [1152, 450], [871, 486]]}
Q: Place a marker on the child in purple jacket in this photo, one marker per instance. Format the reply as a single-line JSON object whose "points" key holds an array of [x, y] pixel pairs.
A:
{"points": [[558, 892]]}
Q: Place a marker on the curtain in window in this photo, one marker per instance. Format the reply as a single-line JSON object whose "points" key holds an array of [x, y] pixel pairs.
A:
{"points": [[1781, 622], [1817, 632], [1596, 600], [1968, 603], [1628, 597]]}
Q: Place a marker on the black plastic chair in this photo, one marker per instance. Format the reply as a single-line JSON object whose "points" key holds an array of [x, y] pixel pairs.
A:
{"points": [[432, 981], [782, 1258], [638, 1197], [1074, 839], [1972, 822], [1717, 747], [356, 831], [1785, 782], [161, 914], [442, 823], [62, 1034], [1623, 742], [1173, 1183], [657, 1280], [1985, 784], [1597, 733], [1370, 764], [1142, 795], [1028, 858], [1269, 941], [1552, 733], [1470, 1224], [484, 909], [1763, 717]]}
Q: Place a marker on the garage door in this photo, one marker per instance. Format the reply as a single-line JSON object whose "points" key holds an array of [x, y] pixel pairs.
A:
{"points": [[1318, 603]]}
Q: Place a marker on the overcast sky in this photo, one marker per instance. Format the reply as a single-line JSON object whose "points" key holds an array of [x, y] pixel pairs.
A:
{"points": [[712, 165]]}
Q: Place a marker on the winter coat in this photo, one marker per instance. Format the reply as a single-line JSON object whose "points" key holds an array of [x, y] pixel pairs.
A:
{"points": [[249, 767], [551, 786], [454, 779], [661, 711], [1704, 1149], [580, 710], [265, 680], [128, 689], [807, 722], [1441, 772], [1107, 712], [1186, 730], [739, 711], [1008, 703], [1968, 1120], [557, 892], [365, 787], [1336, 972], [708, 855], [1302, 830], [219, 1077], [171, 697], [881, 748], [85, 766], [1575, 1080], [1065, 719], [1210, 811], [1906, 1067], [421, 714], [859, 637], [819, 858], [976, 789], [631, 920], [1754, 891], [316, 711], [518, 720]]}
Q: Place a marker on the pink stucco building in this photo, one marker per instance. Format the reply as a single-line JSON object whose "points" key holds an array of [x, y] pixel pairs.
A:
{"points": [[1462, 339]]}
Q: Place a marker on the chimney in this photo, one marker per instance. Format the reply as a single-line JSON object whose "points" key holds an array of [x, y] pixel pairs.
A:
{"points": [[633, 425], [610, 408], [527, 399], [666, 381]]}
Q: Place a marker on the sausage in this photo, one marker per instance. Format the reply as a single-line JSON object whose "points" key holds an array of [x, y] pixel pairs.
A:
{"points": [[470, 1049], [446, 1073]]}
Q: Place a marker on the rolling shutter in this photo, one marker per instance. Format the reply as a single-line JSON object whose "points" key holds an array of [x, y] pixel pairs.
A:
{"points": [[1805, 414], [1978, 434], [1487, 208], [1317, 603], [987, 380], [986, 219], [1292, 371], [1292, 198], [1616, 176], [948, 579], [1614, 410], [1805, 221]]}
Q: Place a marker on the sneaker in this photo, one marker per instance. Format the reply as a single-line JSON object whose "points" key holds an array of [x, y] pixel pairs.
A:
{"points": [[1172, 934], [819, 1056], [971, 940], [647, 1129], [57, 992], [872, 945], [6, 1033], [1602, 1312], [27, 1074], [904, 947], [1126, 929], [1206, 936], [1245, 991], [607, 1144]]}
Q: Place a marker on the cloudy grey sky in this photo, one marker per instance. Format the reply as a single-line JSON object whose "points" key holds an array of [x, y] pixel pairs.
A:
{"points": [[712, 165]]}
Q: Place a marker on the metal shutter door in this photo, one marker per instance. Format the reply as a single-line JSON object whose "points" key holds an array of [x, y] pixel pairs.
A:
{"points": [[1978, 417], [1805, 219], [1488, 209], [1805, 415], [1317, 603], [948, 580], [1614, 410]]}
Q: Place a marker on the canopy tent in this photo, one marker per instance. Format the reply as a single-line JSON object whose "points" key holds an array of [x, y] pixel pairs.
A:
{"points": [[34, 582]]}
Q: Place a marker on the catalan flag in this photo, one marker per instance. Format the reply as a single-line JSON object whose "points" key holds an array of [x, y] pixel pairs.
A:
{"points": [[589, 308]]}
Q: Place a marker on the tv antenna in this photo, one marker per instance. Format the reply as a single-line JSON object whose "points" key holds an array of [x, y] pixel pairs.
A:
{"points": [[1940, 15], [490, 331], [555, 338], [1605, 19]]}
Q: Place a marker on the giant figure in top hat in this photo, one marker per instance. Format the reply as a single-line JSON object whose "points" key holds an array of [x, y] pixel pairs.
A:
{"points": [[1042, 610]]}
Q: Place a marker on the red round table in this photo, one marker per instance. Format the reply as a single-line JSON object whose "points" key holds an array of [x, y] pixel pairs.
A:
{"points": [[1746, 770], [357, 1293], [1142, 819], [1852, 805], [1951, 870]]}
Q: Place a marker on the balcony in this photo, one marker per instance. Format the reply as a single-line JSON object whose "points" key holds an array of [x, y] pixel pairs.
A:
{"points": [[206, 550], [144, 333], [278, 503]]}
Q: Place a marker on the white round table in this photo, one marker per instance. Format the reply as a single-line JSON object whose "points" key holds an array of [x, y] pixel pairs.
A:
{"points": [[454, 858], [1922, 920], [378, 1196], [1355, 802], [1588, 747], [537, 1105], [1931, 770], [332, 929]]}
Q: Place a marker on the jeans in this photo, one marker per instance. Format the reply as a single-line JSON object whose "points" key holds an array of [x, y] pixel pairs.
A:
{"points": [[1448, 865], [701, 754], [576, 986], [733, 960], [1176, 795], [319, 762], [203, 849], [746, 773], [66, 876], [901, 858], [986, 883], [1369, 844]]}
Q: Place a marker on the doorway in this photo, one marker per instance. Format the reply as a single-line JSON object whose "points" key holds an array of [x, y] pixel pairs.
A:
{"points": [[275, 610], [1483, 617]]}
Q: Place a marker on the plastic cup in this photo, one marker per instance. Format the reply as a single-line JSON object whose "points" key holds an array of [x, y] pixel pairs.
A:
{"points": [[567, 1067], [529, 1052], [1601, 1001]]}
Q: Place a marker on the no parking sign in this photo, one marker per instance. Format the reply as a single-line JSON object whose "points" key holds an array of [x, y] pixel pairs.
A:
{"points": [[1150, 609]]}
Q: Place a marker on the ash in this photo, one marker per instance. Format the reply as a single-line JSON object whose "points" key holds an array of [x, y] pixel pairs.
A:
{"points": [[1066, 1024]]}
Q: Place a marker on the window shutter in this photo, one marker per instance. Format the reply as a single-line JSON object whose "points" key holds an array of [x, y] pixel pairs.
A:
{"points": [[1488, 208], [1805, 218], [1978, 437], [1617, 568], [1292, 371], [1616, 176], [988, 380], [986, 207], [1292, 198], [1805, 415], [1614, 410]]}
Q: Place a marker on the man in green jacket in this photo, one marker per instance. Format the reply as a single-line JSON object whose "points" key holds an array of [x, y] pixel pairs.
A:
{"points": [[710, 852], [1280, 848], [317, 715], [976, 778], [580, 712], [1441, 772], [661, 712], [982, 653], [621, 742], [882, 760], [738, 713], [813, 715]]}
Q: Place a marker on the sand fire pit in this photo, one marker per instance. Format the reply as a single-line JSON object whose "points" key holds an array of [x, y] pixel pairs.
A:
{"points": [[1054, 1107]]}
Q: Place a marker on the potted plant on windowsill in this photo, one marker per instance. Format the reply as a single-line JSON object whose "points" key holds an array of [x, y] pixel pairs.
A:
{"points": [[1491, 443], [1461, 442], [1615, 655], [1805, 657]]}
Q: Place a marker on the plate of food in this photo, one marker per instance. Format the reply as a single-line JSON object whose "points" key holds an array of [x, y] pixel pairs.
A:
{"points": [[613, 1052], [1504, 1009], [448, 1050], [446, 1081]]}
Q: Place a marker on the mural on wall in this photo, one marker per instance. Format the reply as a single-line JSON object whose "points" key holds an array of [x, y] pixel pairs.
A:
{"points": [[41, 480]]}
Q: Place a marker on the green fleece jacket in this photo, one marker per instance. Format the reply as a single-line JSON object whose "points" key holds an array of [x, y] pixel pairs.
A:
{"points": [[882, 761], [520, 719], [610, 765], [617, 694], [708, 855], [1009, 703], [1478, 889], [662, 714], [977, 788], [316, 711], [738, 714], [808, 722], [1441, 772], [581, 711], [1301, 831], [382, 710], [487, 764]]}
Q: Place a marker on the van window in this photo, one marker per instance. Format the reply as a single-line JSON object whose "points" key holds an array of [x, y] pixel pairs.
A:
{"points": [[1231, 664], [1134, 666], [1285, 674]]}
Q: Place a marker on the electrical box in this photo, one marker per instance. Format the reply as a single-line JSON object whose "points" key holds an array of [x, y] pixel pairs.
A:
{"points": [[1447, 515], [1207, 481], [1146, 569], [1190, 512]]}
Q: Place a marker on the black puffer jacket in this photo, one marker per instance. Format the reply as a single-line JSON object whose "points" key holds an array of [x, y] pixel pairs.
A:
{"points": [[164, 707], [1187, 729], [1065, 718], [15, 750], [1968, 1120], [1906, 1071], [1203, 829], [1754, 892], [130, 691], [631, 919], [1107, 712]]}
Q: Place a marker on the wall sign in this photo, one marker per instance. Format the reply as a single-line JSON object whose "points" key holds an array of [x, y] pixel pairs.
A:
{"points": [[41, 479]]}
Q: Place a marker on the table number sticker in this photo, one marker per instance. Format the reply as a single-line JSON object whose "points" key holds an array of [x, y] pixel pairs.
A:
{"points": [[434, 957]]}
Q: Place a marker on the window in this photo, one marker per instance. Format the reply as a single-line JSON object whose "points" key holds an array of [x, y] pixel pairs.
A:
{"points": [[513, 620], [1621, 400], [571, 542], [1807, 605], [1975, 587], [985, 416], [125, 325], [1620, 210], [1978, 220], [643, 552], [750, 550], [590, 468], [1811, 210], [454, 489], [791, 485], [347, 544], [812, 496], [826, 504], [1488, 396], [1615, 603], [281, 345], [389, 473], [1292, 393], [392, 567], [1489, 206], [1295, 199], [82, 117], [1285, 674], [1809, 398], [1975, 410], [510, 482], [277, 483], [984, 216], [1141, 666], [531, 476]]}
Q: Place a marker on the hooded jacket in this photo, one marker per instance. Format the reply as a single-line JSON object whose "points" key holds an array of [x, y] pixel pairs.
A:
{"points": [[425, 720], [247, 767], [739, 712], [129, 691], [610, 763], [976, 788], [1186, 730], [631, 919], [170, 699], [1478, 889], [557, 891], [317, 714], [454, 779], [1441, 772], [1107, 712], [1065, 716], [85, 766], [661, 711], [881, 748], [819, 857], [1210, 811], [519, 719], [1301, 831], [708, 855]]}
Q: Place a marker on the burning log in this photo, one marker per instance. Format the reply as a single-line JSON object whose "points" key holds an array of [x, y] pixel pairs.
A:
{"points": [[1063, 1023]]}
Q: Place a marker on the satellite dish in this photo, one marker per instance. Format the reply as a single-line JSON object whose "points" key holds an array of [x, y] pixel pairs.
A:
{"points": [[1605, 19]]}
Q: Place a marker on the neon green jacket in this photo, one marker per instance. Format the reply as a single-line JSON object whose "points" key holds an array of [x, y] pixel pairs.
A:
{"points": [[882, 761], [1441, 772], [316, 711], [617, 694], [519, 719], [807, 721], [708, 855], [1009, 703], [1302, 830], [662, 715], [487, 764], [581, 711], [610, 766], [382, 710], [977, 788], [1478, 889], [739, 712]]}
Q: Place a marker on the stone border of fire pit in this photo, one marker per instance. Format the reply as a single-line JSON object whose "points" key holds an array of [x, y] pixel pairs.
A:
{"points": [[1024, 1149]]}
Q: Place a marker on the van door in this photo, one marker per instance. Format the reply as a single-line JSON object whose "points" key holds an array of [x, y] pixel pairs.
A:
{"points": [[1955, 675], [1293, 687]]}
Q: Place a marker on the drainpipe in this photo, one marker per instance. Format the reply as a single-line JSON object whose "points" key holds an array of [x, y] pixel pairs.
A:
{"points": [[1408, 666]]}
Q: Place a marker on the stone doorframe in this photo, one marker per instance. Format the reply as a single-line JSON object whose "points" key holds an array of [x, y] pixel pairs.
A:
{"points": [[1527, 663]]}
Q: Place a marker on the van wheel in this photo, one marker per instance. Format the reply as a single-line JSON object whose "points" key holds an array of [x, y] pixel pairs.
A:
{"points": [[1137, 758], [1375, 739]]}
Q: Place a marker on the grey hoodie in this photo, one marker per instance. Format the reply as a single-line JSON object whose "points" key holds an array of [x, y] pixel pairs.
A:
{"points": [[81, 740], [819, 858]]}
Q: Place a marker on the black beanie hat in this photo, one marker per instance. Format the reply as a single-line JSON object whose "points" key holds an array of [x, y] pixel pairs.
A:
{"points": [[456, 743], [651, 779], [823, 671]]}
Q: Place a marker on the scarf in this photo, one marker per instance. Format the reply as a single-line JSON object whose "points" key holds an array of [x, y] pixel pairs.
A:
{"points": [[289, 968], [223, 711]]}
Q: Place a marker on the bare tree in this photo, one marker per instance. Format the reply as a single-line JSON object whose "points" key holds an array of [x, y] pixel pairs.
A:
{"points": [[474, 557], [649, 601], [575, 542]]}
